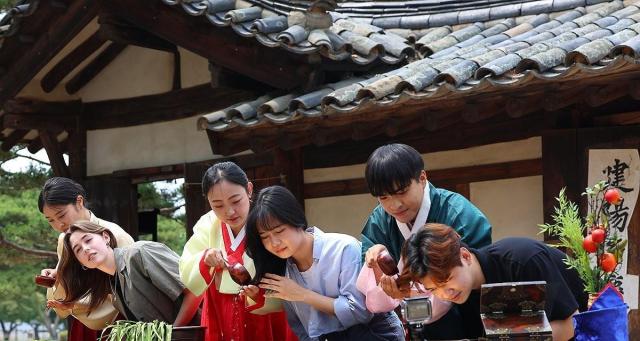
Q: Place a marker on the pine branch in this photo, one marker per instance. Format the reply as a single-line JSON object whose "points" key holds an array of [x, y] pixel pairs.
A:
{"points": [[33, 159], [33, 252]]}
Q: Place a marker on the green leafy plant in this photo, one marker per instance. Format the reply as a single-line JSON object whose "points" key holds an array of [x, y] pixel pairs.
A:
{"points": [[594, 249], [143, 331]]}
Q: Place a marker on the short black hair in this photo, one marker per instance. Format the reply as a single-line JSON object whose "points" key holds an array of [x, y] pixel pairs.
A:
{"points": [[226, 170], [60, 191], [273, 204], [391, 168]]}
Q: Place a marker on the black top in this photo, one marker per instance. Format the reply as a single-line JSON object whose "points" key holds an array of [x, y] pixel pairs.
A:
{"points": [[522, 260]]}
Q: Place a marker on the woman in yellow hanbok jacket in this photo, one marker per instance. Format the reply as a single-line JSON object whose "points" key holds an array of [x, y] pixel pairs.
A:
{"points": [[218, 241]]}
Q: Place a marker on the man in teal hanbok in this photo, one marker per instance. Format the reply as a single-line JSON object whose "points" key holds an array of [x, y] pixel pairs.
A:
{"points": [[395, 175]]}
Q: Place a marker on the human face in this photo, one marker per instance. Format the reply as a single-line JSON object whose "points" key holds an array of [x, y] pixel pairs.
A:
{"points": [[282, 240], [90, 249], [60, 217], [405, 204], [458, 286], [230, 203]]}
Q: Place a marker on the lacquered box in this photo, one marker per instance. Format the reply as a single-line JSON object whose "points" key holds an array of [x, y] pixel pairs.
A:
{"points": [[514, 311]]}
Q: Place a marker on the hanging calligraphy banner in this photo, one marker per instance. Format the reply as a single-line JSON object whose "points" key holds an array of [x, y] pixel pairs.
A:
{"points": [[621, 168]]}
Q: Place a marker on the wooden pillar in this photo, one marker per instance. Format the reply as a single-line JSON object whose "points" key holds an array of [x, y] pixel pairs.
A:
{"points": [[114, 199], [195, 203], [559, 169], [290, 164], [78, 150]]}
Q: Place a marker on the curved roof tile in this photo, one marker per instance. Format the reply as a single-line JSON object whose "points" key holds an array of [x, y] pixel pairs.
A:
{"points": [[481, 57]]}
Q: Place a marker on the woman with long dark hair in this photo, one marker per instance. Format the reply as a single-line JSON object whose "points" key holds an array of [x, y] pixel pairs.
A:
{"points": [[63, 201], [218, 242], [141, 280], [314, 272]]}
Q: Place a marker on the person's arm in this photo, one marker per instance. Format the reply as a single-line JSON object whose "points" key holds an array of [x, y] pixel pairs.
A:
{"points": [[349, 306], [194, 273], [562, 330], [188, 309]]}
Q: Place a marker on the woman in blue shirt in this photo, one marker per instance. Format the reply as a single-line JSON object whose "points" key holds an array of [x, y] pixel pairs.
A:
{"points": [[314, 272]]}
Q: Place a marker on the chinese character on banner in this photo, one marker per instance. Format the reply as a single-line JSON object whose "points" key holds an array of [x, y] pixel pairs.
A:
{"points": [[621, 169]]}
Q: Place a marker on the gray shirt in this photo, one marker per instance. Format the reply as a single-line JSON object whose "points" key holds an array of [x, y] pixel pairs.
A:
{"points": [[149, 281]]}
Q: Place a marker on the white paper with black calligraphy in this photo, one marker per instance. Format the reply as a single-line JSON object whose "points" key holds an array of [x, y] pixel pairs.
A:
{"points": [[620, 167]]}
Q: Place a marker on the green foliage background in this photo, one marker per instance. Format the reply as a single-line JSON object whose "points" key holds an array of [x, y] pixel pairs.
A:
{"points": [[22, 223]]}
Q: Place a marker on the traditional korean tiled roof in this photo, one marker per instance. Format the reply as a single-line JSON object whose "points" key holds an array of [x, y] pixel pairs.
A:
{"points": [[361, 31], [458, 61]]}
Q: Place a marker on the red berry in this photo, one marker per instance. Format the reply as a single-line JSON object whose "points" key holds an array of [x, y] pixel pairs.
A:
{"points": [[612, 196], [589, 245], [608, 262], [597, 235]]}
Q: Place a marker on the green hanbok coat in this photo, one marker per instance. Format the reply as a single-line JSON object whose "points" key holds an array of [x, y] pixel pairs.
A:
{"points": [[447, 207]]}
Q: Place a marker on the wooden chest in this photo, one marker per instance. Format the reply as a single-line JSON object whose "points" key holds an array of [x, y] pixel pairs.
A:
{"points": [[514, 311]]}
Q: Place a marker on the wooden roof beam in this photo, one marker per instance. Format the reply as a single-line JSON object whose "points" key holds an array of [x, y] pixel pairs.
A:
{"points": [[161, 107], [54, 152], [13, 138], [39, 122], [31, 106], [120, 31]]}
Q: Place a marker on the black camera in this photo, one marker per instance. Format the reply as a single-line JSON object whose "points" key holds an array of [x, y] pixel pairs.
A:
{"points": [[416, 310]]}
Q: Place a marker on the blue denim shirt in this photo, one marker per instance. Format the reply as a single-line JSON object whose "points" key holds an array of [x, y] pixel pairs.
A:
{"points": [[335, 269]]}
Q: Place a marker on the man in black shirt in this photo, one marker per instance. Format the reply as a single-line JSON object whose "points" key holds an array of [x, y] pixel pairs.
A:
{"points": [[435, 257]]}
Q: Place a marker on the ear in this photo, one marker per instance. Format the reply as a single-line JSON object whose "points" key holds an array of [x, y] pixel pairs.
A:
{"points": [[249, 189], [423, 177], [80, 201], [106, 237], [465, 256]]}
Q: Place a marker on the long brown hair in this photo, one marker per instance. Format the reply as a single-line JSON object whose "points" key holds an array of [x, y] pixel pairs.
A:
{"points": [[434, 250], [77, 282]]}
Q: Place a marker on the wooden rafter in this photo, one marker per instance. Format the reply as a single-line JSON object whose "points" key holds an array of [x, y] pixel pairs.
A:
{"points": [[92, 69], [71, 61], [59, 33]]}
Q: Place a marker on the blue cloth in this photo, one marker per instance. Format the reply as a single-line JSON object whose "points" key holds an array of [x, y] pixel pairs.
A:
{"points": [[335, 269], [605, 320]]}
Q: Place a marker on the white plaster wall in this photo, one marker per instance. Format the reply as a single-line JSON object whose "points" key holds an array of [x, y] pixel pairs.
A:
{"points": [[194, 69], [147, 145], [513, 206], [136, 71], [345, 214], [493, 153]]}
